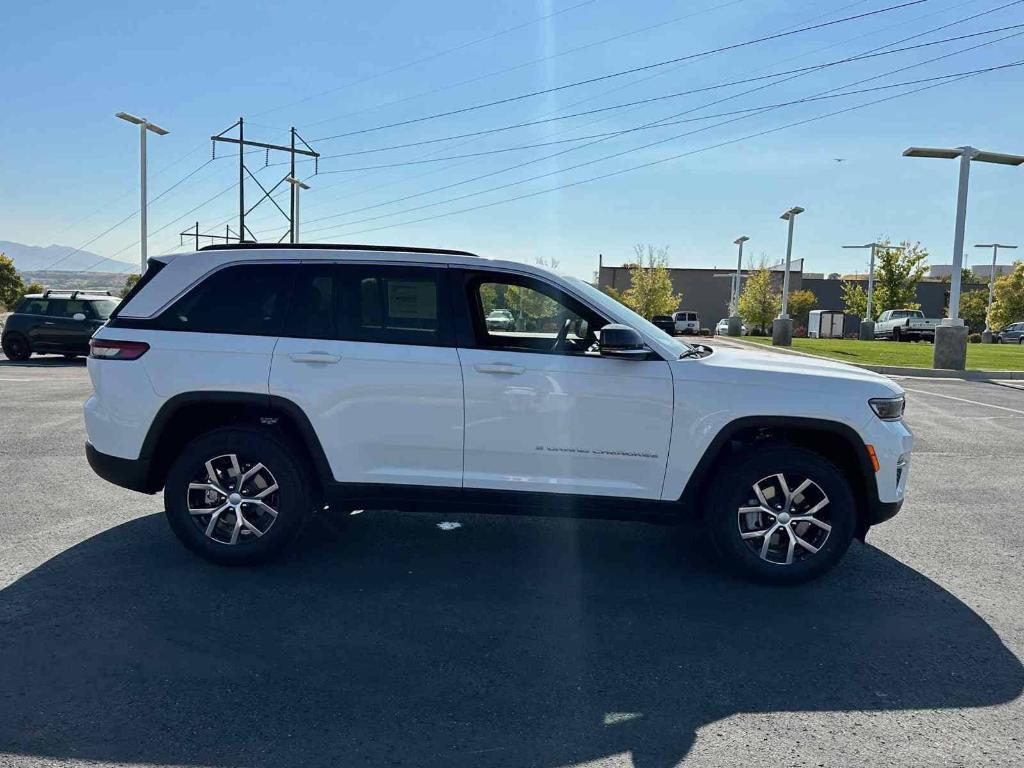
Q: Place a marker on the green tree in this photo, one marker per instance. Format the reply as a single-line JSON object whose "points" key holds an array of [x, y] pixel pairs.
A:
{"points": [[650, 291], [1008, 299], [897, 273], [973, 306], [759, 301], [129, 283], [855, 299], [800, 305], [11, 286]]}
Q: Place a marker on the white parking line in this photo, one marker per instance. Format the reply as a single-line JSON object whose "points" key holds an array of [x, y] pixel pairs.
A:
{"points": [[965, 400]]}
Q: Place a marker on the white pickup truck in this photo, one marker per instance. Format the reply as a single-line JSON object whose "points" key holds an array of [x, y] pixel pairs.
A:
{"points": [[905, 325]]}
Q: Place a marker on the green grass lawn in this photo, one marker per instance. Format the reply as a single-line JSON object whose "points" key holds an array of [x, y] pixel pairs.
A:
{"points": [[983, 357]]}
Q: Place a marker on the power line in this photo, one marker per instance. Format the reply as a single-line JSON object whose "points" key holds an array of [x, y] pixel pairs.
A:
{"points": [[656, 74], [425, 59], [639, 102], [126, 219], [621, 73], [666, 159], [645, 146], [542, 59]]}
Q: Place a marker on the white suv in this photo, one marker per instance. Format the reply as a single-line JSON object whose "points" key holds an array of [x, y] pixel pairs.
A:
{"points": [[256, 384]]}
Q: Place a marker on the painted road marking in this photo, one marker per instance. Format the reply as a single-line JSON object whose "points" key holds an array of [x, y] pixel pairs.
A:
{"points": [[965, 400]]}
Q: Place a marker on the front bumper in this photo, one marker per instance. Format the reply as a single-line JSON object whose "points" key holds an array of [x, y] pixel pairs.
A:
{"points": [[133, 474]]}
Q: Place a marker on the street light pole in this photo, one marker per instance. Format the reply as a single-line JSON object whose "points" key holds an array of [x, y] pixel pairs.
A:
{"points": [[144, 125], [986, 337], [867, 323], [735, 324], [297, 184], [782, 328], [951, 335]]}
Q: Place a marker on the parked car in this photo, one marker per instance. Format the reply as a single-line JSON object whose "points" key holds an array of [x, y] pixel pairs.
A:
{"points": [[255, 384], [687, 323], [500, 320], [722, 329], [60, 322], [666, 323], [1011, 334], [905, 325]]}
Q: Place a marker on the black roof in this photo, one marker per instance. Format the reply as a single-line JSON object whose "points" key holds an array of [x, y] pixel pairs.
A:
{"points": [[329, 247]]}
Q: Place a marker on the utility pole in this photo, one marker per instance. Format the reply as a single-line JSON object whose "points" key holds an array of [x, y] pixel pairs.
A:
{"points": [[144, 126], [782, 328], [735, 327], [986, 337], [951, 335], [243, 170], [867, 323]]}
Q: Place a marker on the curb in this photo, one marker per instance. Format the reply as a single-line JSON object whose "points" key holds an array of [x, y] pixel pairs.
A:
{"points": [[894, 370]]}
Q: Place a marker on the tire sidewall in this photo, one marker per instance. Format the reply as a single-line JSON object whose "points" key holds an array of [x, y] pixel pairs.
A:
{"points": [[16, 338], [293, 507], [731, 490]]}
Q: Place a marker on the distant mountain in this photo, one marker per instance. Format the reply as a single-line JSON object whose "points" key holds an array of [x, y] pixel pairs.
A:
{"points": [[30, 258]]}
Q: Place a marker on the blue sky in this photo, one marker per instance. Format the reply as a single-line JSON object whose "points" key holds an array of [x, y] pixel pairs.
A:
{"points": [[70, 168]]}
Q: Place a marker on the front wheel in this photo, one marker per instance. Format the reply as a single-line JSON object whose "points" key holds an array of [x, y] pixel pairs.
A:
{"points": [[237, 496], [780, 515]]}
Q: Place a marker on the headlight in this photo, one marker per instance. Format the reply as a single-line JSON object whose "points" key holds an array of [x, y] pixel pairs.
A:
{"points": [[888, 408]]}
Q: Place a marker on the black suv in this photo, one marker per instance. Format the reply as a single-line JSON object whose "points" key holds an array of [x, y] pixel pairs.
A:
{"points": [[60, 322]]}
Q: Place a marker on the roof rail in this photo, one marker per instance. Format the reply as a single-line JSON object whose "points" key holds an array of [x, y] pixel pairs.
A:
{"points": [[330, 247]]}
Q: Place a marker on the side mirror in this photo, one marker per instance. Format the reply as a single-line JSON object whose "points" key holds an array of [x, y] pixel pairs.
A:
{"points": [[78, 316], [622, 342]]}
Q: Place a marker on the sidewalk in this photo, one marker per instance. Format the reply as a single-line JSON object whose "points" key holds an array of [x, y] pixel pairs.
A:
{"points": [[887, 370]]}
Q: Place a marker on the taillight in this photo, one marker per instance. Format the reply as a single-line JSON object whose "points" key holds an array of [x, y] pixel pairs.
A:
{"points": [[101, 349]]}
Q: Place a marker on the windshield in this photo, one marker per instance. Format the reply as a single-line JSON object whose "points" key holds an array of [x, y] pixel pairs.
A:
{"points": [[602, 300], [104, 307]]}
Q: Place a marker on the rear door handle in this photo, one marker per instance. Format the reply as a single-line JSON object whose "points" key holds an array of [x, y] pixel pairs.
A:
{"points": [[503, 368], [313, 357], [48, 322]]}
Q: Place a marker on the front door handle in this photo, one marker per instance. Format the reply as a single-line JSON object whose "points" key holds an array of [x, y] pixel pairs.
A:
{"points": [[48, 322], [313, 357], [503, 368]]}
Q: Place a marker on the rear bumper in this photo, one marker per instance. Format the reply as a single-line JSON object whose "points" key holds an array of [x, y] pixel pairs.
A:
{"points": [[133, 474]]}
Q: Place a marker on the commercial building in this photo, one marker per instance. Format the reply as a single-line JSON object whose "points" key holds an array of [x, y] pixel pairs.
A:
{"points": [[706, 291]]}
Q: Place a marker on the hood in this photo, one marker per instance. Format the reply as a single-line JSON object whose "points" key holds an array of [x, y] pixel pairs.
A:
{"points": [[798, 371]]}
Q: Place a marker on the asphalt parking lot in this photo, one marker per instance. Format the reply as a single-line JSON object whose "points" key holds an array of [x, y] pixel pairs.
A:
{"points": [[507, 642]]}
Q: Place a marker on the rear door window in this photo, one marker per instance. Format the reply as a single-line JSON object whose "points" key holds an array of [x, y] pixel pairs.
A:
{"points": [[57, 308], [34, 306]]}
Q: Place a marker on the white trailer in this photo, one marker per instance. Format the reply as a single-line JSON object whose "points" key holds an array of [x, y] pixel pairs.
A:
{"points": [[825, 324]]}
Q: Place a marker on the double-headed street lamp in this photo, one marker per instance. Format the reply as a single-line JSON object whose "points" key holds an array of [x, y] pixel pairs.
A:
{"points": [[987, 335], [951, 335], [782, 328], [867, 323], [144, 125]]}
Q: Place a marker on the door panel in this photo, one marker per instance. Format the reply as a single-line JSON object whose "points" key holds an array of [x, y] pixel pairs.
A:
{"points": [[566, 424], [384, 413]]}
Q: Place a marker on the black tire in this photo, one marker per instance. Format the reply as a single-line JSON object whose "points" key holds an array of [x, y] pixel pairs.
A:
{"points": [[896, 335], [16, 347], [292, 500], [732, 488]]}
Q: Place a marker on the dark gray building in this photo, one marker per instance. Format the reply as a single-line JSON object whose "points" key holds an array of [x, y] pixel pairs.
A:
{"points": [[706, 293]]}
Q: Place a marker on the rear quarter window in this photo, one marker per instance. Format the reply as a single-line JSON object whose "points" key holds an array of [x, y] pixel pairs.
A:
{"points": [[244, 300]]}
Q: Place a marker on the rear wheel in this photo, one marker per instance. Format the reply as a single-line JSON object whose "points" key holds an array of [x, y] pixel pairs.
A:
{"points": [[782, 515], [237, 496], [16, 347]]}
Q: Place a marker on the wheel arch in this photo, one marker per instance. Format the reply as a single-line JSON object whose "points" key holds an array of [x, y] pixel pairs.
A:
{"points": [[836, 441], [186, 416]]}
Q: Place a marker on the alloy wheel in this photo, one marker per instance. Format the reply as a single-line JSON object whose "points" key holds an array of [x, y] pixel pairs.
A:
{"points": [[786, 520], [233, 501]]}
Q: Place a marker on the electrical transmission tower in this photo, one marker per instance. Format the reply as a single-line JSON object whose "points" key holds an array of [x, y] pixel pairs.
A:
{"points": [[227, 237], [243, 171]]}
